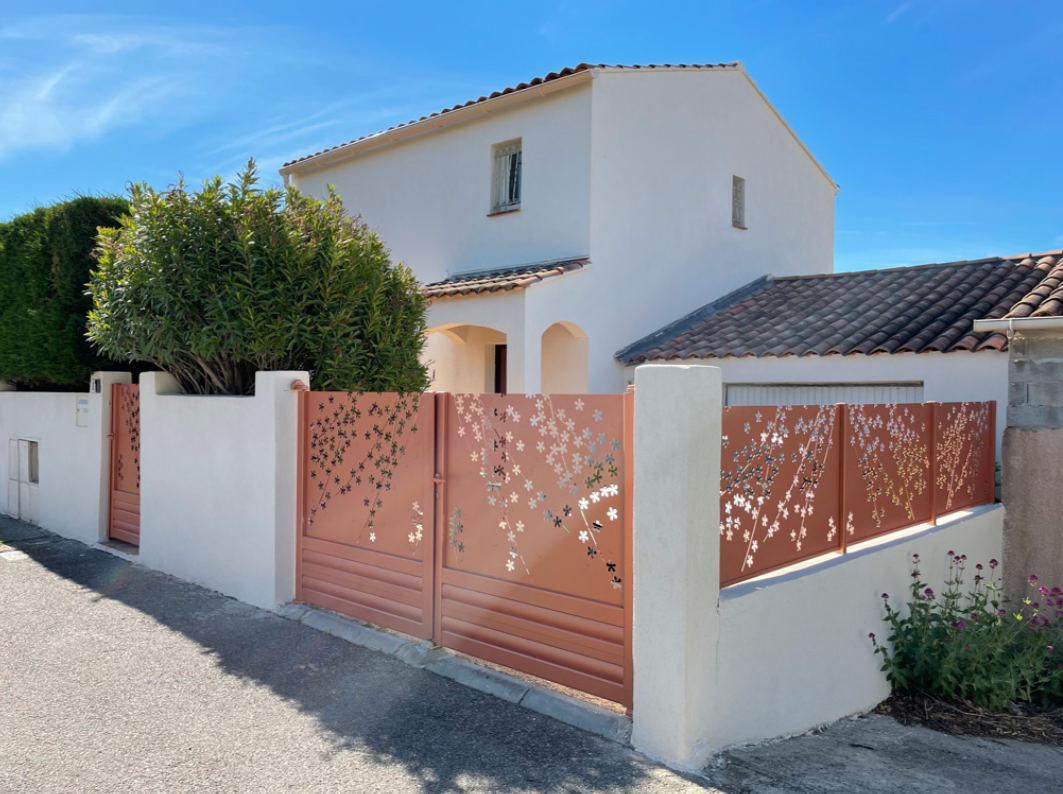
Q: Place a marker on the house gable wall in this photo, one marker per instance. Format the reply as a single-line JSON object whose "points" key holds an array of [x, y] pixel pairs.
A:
{"points": [[429, 197], [665, 149]]}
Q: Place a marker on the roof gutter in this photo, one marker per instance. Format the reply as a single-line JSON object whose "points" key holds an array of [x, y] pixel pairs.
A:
{"points": [[447, 119], [1013, 324]]}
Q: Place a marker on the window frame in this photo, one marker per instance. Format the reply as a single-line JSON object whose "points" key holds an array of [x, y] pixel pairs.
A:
{"points": [[738, 202], [502, 176]]}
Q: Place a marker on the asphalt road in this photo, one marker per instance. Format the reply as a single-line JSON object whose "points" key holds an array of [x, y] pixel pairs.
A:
{"points": [[114, 678]]}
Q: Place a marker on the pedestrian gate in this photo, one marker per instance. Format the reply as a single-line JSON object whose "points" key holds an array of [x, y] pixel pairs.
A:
{"points": [[495, 525], [124, 519]]}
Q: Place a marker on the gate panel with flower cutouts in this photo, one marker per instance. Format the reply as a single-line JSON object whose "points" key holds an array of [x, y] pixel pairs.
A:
{"points": [[536, 557], [366, 492], [499, 526]]}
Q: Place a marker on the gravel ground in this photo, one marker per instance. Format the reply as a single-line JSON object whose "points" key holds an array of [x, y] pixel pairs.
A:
{"points": [[119, 679]]}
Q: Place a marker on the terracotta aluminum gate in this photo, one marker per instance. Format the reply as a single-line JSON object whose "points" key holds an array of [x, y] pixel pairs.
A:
{"points": [[124, 519], [496, 525]]}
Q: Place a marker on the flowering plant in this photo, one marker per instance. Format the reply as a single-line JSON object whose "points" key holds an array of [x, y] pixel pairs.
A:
{"points": [[978, 644]]}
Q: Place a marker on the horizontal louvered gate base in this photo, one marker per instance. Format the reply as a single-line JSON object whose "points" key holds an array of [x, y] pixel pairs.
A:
{"points": [[478, 521], [125, 517], [377, 588], [546, 634]]}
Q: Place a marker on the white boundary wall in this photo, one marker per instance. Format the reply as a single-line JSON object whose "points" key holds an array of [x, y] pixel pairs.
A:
{"points": [[218, 486], [74, 470], [766, 658], [794, 651]]}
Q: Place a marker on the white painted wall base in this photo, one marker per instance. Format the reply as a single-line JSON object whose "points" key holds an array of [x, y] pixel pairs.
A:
{"points": [[794, 652], [73, 459], [218, 486]]}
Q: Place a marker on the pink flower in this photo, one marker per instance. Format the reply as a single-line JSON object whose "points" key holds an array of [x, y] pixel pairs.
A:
{"points": [[1033, 578], [993, 563]]}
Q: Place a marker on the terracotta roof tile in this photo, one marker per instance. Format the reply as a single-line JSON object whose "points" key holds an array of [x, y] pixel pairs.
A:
{"points": [[913, 309], [500, 280], [1046, 300], [570, 70]]}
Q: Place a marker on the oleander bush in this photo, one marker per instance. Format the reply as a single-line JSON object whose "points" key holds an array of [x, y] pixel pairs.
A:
{"points": [[974, 643], [45, 260], [215, 284]]}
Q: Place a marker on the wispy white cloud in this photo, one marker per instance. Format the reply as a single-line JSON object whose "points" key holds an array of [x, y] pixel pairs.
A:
{"points": [[84, 77], [898, 11]]}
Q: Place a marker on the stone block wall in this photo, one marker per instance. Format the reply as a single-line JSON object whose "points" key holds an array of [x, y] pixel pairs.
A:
{"points": [[1032, 461], [1035, 381]]}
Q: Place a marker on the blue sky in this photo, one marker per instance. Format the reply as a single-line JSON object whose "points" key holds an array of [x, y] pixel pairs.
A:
{"points": [[938, 118]]}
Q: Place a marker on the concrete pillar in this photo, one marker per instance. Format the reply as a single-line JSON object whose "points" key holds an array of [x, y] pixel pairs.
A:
{"points": [[676, 563], [100, 426]]}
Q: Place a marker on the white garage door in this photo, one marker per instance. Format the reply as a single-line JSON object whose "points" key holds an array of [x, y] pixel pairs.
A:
{"points": [[822, 393]]}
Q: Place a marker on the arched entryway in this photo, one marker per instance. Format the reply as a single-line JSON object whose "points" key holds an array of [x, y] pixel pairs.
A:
{"points": [[564, 359], [466, 359]]}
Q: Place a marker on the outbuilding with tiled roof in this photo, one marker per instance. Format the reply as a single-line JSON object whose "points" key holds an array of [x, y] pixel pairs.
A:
{"points": [[905, 334]]}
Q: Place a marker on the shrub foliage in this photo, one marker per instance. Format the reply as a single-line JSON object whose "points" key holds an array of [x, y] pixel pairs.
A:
{"points": [[216, 284], [977, 645], [45, 260]]}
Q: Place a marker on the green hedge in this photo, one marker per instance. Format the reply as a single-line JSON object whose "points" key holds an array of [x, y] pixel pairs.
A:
{"points": [[45, 259], [216, 284]]}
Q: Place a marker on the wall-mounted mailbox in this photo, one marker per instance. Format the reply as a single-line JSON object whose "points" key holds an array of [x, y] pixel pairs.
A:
{"points": [[83, 410]]}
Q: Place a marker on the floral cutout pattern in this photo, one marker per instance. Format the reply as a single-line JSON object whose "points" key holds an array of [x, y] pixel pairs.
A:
{"points": [[549, 478], [963, 444], [128, 436], [785, 496], [889, 447], [356, 442], [774, 460]]}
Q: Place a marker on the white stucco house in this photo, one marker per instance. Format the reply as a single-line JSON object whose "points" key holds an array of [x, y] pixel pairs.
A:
{"points": [[558, 220]]}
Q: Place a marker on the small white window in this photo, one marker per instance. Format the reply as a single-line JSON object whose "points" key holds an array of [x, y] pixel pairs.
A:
{"points": [[34, 464], [506, 177], [738, 202]]}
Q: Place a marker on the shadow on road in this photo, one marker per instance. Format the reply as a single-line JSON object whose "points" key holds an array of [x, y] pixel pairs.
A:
{"points": [[441, 732]]}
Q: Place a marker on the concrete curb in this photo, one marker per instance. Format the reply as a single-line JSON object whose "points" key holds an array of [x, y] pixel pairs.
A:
{"points": [[119, 553], [421, 654]]}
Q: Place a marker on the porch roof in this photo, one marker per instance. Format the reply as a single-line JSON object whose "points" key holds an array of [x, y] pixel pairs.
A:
{"points": [[502, 280]]}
